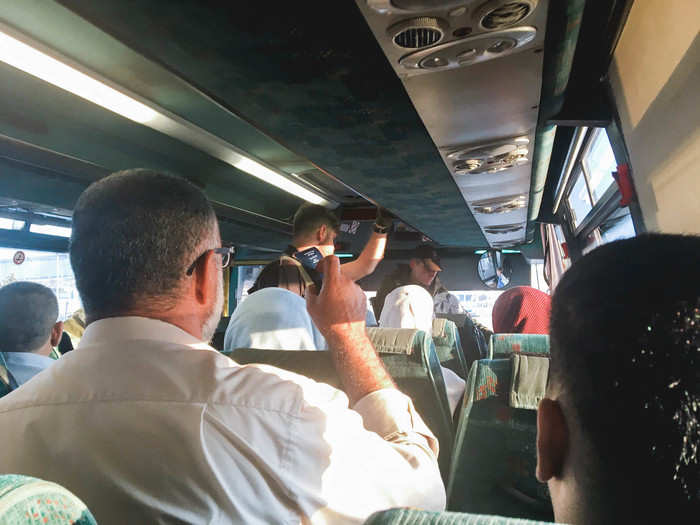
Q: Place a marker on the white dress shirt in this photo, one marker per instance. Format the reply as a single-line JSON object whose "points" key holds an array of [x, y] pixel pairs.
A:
{"points": [[148, 425], [25, 365]]}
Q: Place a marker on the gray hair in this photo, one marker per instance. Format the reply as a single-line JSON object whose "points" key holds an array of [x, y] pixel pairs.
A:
{"points": [[28, 312], [135, 233]]}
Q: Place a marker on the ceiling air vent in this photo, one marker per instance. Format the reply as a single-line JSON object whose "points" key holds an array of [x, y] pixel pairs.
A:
{"points": [[470, 50], [417, 33], [502, 229], [500, 204], [499, 14], [490, 158]]}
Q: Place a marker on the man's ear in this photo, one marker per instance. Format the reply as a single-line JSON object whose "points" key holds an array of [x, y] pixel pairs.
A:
{"points": [[321, 234], [552, 440], [413, 263], [204, 275], [56, 333]]}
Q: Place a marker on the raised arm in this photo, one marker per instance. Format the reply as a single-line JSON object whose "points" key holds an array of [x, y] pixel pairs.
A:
{"points": [[339, 313], [373, 251]]}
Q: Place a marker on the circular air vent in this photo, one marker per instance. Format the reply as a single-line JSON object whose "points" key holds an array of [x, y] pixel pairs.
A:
{"points": [[490, 158], [500, 14], [417, 33], [499, 204]]}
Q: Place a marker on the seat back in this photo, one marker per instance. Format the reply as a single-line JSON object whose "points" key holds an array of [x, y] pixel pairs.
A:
{"points": [[494, 459], [5, 381], [425, 517], [473, 342], [504, 345], [410, 358], [449, 346], [28, 501], [310, 363]]}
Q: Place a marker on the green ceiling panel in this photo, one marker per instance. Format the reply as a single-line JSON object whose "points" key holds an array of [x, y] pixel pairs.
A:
{"points": [[312, 76]]}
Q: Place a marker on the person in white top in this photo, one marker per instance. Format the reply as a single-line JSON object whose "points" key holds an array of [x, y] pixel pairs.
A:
{"points": [[411, 306], [272, 319], [149, 424]]}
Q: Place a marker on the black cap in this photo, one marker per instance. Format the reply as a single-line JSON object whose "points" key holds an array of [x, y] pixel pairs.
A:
{"points": [[427, 252]]}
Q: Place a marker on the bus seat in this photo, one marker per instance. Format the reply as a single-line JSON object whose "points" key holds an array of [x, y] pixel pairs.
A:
{"points": [[410, 358], [28, 501], [493, 465], [473, 342], [449, 347], [5, 380], [401, 516], [408, 355], [504, 345], [310, 363]]}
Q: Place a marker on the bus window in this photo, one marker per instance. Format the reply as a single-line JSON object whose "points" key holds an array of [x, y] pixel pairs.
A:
{"points": [[51, 269]]}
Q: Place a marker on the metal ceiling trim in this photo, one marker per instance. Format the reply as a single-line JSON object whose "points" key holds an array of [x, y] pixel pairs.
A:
{"points": [[189, 133]]}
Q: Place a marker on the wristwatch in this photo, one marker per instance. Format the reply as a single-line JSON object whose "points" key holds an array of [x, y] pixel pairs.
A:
{"points": [[378, 228]]}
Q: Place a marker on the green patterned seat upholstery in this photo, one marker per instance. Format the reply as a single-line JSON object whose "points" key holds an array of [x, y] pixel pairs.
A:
{"points": [[31, 501], [493, 465], [424, 517], [449, 347], [504, 345], [410, 358]]}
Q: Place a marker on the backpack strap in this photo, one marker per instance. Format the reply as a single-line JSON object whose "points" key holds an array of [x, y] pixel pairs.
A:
{"points": [[302, 271]]}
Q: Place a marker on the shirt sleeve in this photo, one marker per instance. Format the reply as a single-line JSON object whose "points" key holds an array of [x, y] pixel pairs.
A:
{"points": [[345, 464]]}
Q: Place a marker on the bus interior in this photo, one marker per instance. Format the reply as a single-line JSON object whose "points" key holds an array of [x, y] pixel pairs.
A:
{"points": [[510, 134]]}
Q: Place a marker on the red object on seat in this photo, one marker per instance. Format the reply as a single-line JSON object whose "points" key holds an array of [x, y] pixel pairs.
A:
{"points": [[624, 182], [521, 310]]}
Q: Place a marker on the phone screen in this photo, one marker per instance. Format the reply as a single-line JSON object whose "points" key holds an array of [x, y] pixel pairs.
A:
{"points": [[309, 258]]}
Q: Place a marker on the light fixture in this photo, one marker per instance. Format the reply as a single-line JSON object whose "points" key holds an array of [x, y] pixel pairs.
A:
{"points": [[29, 59], [344, 255], [50, 229]]}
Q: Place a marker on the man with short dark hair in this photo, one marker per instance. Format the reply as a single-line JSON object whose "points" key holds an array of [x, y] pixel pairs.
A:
{"points": [[317, 227], [422, 269], [618, 432], [147, 423], [29, 329]]}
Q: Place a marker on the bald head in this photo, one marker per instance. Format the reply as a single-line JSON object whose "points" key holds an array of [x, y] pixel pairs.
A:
{"points": [[28, 313]]}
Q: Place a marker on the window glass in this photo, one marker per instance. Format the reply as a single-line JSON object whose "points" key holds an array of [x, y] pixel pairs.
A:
{"points": [[599, 163], [579, 200], [11, 224], [246, 279], [618, 226], [51, 269], [50, 229]]}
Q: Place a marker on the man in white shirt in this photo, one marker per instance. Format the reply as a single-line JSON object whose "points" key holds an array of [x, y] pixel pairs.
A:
{"points": [[146, 423], [29, 329]]}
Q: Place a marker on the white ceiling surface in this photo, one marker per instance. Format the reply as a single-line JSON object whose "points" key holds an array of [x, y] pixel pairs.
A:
{"points": [[475, 104]]}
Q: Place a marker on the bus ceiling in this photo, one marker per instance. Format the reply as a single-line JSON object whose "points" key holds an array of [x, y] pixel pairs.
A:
{"points": [[268, 108]]}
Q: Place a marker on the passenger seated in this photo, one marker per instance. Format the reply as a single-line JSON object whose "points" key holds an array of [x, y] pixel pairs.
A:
{"points": [[521, 310], [618, 431], [29, 329], [149, 424], [412, 307], [273, 319]]}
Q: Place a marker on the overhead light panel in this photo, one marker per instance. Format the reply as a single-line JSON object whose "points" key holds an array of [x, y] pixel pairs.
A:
{"points": [[25, 58], [29, 59]]}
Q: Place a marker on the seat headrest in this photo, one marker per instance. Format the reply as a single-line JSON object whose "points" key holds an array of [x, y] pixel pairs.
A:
{"points": [[508, 344], [393, 340], [439, 326], [528, 381]]}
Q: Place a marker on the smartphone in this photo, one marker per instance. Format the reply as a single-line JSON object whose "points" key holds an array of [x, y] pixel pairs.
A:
{"points": [[309, 259]]}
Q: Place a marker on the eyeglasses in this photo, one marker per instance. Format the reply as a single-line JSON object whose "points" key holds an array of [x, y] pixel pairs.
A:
{"points": [[226, 252]]}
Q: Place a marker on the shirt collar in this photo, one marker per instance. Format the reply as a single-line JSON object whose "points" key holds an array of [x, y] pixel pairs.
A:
{"points": [[131, 328]]}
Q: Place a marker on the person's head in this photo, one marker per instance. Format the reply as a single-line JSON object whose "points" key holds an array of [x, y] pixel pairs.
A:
{"points": [[425, 264], [28, 318], [618, 432], [142, 244], [521, 310], [408, 306], [317, 226]]}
